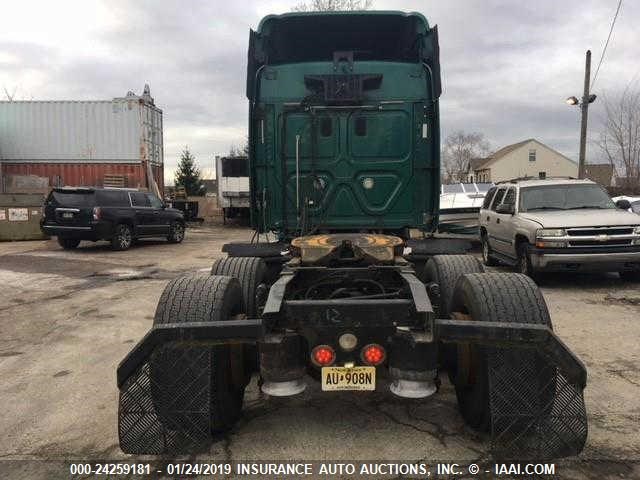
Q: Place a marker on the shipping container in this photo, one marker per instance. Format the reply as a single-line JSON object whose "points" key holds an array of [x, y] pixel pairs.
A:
{"points": [[83, 142]]}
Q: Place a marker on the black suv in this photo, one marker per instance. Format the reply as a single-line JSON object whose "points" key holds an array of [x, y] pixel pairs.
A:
{"points": [[118, 215]]}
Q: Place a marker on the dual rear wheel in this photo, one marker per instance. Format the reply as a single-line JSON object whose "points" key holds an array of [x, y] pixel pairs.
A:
{"points": [[252, 274], [231, 291], [467, 293], [504, 298], [201, 298]]}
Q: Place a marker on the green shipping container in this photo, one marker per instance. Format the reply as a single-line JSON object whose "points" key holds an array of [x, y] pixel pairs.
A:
{"points": [[20, 215]]}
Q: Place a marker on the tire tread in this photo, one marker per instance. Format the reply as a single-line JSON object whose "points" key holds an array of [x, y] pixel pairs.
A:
{"points": [[494, 297], [200, 297], [446, 270], [250, 271]]}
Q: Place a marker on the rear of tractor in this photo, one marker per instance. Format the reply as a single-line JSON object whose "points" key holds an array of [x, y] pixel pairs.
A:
{"points": [[344, 162], [349, 311]]}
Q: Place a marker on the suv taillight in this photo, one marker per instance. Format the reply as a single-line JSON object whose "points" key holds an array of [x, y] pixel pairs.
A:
{"points": [[96, 213]]}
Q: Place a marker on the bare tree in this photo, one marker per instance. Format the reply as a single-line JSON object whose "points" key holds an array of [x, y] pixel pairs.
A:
{"points": [[332, 5], [620, 136], [10, 96], [240, 151], [459, 149]]}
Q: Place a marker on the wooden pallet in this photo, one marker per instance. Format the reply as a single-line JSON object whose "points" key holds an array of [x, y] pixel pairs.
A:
{"points": [[117, 181]]}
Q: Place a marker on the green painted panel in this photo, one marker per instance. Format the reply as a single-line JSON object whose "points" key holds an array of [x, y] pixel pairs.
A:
{"points": [[400, 81], [373, 164], [378, 190], [303, 125], [380, 134]]}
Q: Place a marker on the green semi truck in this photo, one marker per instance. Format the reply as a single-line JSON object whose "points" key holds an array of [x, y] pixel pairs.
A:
{"points": [[344, 165], [344, 123]]}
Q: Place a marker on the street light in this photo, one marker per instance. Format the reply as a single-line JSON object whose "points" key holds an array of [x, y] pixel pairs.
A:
{"points": [[583, 103]]}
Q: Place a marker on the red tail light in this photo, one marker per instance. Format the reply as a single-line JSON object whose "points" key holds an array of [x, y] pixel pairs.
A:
{"points": [[96, 213], [323, 355], [373, 354]]}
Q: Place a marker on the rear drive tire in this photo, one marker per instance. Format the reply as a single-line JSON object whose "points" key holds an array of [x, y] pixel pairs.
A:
{"points": [[176, 232], [494, 297], [68, 243], [252, 273], [204, 298], [122, 237], [445, 270]]}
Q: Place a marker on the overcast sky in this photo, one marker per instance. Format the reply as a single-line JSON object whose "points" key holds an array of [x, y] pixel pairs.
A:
{"points": [[507, 65]]}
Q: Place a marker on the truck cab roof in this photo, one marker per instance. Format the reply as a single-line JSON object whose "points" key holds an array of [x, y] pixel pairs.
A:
{"points": [[370, 15]]}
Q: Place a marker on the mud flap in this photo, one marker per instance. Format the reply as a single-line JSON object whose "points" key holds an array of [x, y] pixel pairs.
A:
{"points": [[536, 412], [164, 404], [165, 385], [536, 386]]}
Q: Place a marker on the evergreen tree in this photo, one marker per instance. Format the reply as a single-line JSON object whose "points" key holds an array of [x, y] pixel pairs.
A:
{"points": [[188, 174]]}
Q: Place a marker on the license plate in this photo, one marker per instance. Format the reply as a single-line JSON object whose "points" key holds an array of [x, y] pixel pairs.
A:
{"points": [[343, 378], [67, 215]]}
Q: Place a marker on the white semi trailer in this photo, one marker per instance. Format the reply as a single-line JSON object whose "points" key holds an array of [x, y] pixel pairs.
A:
{"points": [[233, 186]]}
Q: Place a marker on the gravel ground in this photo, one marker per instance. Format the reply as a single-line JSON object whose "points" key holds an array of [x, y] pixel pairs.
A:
{"points": [[68, 318]]}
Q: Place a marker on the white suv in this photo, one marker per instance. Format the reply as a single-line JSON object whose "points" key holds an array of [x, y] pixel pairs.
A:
{"points": [[559, 225]]}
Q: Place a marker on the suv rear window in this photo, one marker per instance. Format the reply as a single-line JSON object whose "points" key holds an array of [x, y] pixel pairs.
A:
{"points": [[112, 198], [73, 198]]}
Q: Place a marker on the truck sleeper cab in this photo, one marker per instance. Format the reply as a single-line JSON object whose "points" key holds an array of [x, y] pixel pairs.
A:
{"points": [[344, 125]]}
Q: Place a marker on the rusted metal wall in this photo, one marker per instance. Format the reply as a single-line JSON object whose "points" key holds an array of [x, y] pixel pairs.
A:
{"points": [[24, 184], [86, 174]]}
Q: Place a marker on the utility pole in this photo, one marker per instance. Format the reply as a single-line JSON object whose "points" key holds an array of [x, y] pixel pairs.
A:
{"points": [[584, 106]]}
